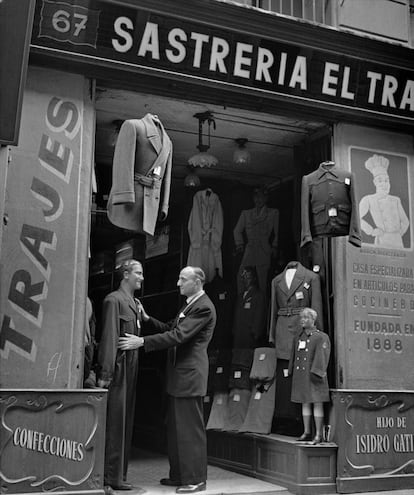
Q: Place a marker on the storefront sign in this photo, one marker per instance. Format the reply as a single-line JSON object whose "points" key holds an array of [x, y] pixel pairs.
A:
{"points": [[40, 259], [375, 436], [52, 441], [380, 275], [140, 40]]}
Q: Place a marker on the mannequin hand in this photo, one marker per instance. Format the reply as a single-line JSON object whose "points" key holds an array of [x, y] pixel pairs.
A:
{"points": [[103, 383], [130, 342]]}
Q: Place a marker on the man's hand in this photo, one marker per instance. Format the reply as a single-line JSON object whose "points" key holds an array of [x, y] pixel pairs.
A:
{"points": [[140, 307], [130, 342]]}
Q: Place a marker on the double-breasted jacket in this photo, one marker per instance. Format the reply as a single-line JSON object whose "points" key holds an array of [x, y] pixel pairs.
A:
{"points": [[287, 303]]}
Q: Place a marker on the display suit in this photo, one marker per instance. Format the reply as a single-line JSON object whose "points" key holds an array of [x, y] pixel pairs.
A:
{"points": [[142, 164], [287, 303], [328, 208], [120, 316], [257, 227], [187, 340]]}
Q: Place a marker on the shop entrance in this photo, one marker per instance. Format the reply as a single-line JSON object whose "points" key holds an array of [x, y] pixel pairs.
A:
{"points": [[282, 149]]}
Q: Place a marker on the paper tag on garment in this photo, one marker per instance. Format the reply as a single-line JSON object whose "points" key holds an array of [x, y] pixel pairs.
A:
{"points": [[257, 395], [332, 212], [236, 398], [316, 268], [222, 296], [219, 401], [157, 171], [237, 374], [247, 305], [306, 285], [302, 344], [207, 398], [262, 357], [285, 372], [219, 370], [347, 181], [299, 295]]}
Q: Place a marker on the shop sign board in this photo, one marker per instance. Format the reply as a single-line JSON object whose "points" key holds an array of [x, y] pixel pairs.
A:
{"points": [[41, 267], [379, 335], [374, 432], [52, 441], [16, 19], [134, 39]]}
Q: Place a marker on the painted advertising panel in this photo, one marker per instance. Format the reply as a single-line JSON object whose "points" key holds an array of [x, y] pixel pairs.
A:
{"points": [[52, 441], [376, 327], [43, 249]]}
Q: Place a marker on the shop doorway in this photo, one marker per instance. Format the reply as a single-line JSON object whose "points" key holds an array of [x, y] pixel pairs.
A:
{"points": [[282, 149]]}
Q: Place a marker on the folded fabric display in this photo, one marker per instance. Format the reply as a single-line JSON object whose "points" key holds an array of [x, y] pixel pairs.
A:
{"points": [[218, 411], [263, 370], [240, 369], [237, 405], [260, 411], [221, 373]]}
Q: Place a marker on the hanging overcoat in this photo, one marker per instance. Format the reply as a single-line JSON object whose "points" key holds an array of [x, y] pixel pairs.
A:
{"points": [[142, 164], [120, 316], [205, 229], [286, 304]]}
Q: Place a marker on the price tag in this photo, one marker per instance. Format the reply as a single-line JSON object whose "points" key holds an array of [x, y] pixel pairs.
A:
{"points": [[262, 357], [222, 296], [219, 401], [332, 212], [237, 374], [207, 398], [219, 370], [285, 372], [347, 181], [302, 344], [299, 295], [236, 398], [257, 396]]}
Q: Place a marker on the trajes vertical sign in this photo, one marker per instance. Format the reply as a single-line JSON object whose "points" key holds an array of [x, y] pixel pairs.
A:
{"points": [[40, 245]]}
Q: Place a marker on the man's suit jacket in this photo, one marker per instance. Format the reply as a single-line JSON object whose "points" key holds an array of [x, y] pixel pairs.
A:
{"points": [[142, 162], [286, 304], [187, 341], [329, 207], [120, 316]]}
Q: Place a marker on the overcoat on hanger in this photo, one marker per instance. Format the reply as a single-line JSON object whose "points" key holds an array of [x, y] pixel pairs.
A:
{"points": [[205, 229], [142, 164]]}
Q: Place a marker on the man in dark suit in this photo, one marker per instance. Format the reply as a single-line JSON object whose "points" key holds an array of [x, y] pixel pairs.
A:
{"points": [[117, 371], [142, 164], [187, 340]]}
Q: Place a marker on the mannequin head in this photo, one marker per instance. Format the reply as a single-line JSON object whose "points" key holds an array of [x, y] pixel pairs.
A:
{"points": [[260, 197]]}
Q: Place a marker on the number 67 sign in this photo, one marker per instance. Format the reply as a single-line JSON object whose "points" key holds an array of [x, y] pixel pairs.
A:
{"points": [[74, 24]]}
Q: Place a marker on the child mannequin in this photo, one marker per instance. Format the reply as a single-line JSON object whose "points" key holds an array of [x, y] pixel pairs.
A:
{"points": [[308, 364]]}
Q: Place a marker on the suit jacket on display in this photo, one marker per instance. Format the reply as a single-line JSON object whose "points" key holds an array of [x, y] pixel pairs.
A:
{"points": [[329, 206], [249, 319], [287, 303], [142, 163], [187, 341]]}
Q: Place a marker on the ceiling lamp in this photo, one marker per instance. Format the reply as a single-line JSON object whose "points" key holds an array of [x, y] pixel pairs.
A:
{"points": [[241, 155], [203, 158], [192, 179]]}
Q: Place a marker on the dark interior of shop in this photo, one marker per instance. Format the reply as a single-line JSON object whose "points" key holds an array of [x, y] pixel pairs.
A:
{"points": [[282, 149]]}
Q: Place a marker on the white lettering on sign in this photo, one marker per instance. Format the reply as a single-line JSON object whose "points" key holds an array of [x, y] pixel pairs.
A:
{"points": [[26, 292], [48, 444]]}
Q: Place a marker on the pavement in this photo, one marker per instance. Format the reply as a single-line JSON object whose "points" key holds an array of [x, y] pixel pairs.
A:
{"points": [[147, 468]]}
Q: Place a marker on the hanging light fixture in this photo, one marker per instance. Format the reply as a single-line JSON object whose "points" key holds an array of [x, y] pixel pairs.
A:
{"points": [[241, 155], [192, 179], [203, 158]]}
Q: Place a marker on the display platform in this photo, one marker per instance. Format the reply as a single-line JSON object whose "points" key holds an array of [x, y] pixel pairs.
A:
{"points": [[299, 466]]}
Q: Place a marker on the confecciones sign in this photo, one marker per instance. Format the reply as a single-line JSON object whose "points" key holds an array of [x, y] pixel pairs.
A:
{"points": [[139, 39]]}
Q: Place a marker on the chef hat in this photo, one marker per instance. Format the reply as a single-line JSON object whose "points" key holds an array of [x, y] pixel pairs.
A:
{"points": [[377, 165]]}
